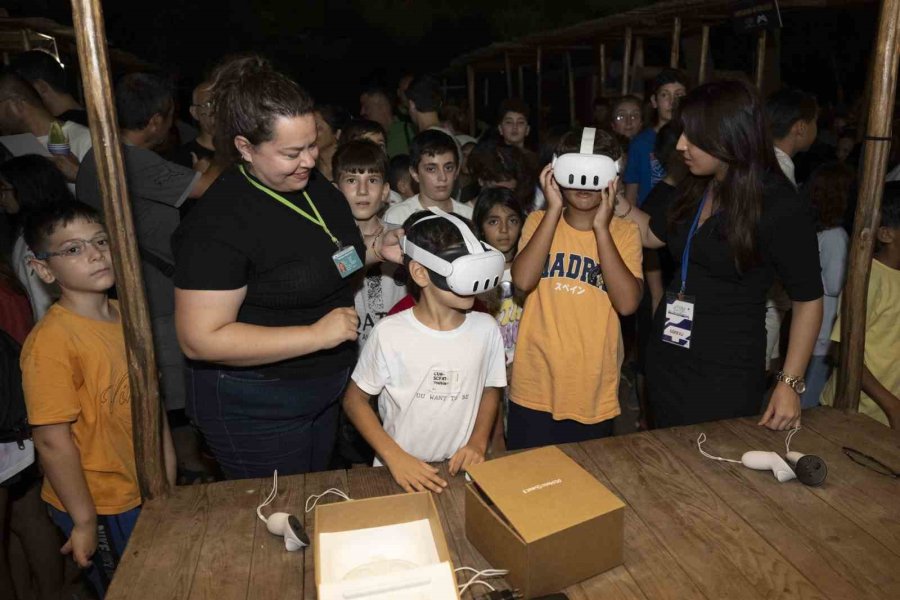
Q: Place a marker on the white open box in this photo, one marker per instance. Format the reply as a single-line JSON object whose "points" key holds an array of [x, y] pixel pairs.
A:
{"points": [[354, 560]]}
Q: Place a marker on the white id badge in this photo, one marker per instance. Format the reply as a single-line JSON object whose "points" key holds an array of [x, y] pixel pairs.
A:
{"points": [[347, 261], [679, 320]]}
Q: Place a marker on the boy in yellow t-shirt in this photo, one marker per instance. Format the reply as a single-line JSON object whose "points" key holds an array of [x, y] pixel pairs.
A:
{"points": [[75, 378], [880, 396], [581, 268]]}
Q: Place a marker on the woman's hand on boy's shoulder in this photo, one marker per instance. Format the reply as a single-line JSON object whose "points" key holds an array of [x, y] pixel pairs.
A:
{"points": [[414, 475], [551, 190]]}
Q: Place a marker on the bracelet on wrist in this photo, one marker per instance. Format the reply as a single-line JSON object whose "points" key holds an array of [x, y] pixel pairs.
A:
{"points": [[375, 250]]}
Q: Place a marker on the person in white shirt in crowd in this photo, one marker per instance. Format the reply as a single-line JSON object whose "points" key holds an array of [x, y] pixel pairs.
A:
{"points": [[434, 165], [438, 370]]}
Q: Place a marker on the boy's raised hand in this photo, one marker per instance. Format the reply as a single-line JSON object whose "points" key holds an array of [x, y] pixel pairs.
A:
{"points": [[414, 475], [465, 457], [82, 544], [608, 198], [551, 190]]}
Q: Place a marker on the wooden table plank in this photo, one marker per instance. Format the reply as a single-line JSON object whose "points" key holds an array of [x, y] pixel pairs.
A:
{"points": [[163, 563], [809, 533], [723, 555], [223, 569], [654, 571], [856, 431], [276, 573], [316, 483]]}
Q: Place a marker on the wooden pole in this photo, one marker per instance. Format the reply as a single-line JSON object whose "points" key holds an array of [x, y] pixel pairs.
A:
{"points": [[509, 76], [539, 109], [868, 209], [676, 43], [487, 91], [603, 71], [704, 55], [637, 65], [470, 84], [26, 40], [626, 62], [760, 59], [522, 81], [570, 75], [142, 373]]}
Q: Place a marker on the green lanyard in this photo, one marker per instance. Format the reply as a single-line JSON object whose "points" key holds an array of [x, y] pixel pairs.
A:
{"points": [[318, 220]]}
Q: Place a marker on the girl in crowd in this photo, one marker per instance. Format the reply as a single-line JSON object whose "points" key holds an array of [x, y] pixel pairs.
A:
{"points": [[264, 294], [627, 119], [828, 191], [734, 225], [497, 219], [330, 120]]}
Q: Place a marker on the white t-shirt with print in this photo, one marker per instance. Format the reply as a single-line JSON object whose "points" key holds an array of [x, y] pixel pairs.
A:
{"points": [[383, 286], [430, 382], [398, 213]]}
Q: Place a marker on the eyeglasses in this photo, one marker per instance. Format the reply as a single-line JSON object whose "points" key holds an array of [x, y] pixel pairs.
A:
{"points": [[76, 248], [628, 117], [869, 462]]}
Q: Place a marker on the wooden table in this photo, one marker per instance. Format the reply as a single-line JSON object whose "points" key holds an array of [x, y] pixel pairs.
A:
{"points": [[694, 528]]}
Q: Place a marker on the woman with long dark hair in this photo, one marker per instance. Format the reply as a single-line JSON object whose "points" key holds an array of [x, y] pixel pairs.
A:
{"points": [[735, 224], [264, 293]]}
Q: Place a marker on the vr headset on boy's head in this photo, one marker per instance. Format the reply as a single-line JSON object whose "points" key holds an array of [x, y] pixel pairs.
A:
{"points": [[468, 270], [585, 170]]}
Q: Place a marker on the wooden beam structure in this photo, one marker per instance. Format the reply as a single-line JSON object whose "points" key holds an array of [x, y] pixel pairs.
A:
{"points": [[603, 71], [522, 81], [509, 76], [703, 73], [146, 407], [868, 208], [675, 54], [570, 77], [626, 62], [760, 59], [539, 108], [470, 85]]}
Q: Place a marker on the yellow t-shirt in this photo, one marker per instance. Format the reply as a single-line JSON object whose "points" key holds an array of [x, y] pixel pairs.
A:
{"points": [[74, 371], [882, 351], [569, 350]]}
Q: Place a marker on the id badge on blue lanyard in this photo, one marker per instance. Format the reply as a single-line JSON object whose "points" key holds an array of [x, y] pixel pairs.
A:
{"points": [[679, 322]]}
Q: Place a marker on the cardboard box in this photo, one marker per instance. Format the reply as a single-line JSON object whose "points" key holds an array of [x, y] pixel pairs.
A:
{"points": [[355, 515], [544, 518]]}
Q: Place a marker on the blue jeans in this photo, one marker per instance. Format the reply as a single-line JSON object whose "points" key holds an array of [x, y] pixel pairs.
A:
{"points": [[817, 374], [255, 423], [113, 532]]}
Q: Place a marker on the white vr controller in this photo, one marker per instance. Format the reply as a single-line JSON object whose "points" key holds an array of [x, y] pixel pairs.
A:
{"points": [[283, 524], [475, 272], [585, 170], [808, 469]]}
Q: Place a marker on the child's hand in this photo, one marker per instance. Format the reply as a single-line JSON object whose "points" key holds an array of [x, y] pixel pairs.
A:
{"points": [[82, 544], [607, 208], [551, 190], [413, 475], [465, 457]]}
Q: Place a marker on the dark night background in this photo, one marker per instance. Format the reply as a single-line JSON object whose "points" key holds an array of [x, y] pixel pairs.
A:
{"points": [[333, 48]]}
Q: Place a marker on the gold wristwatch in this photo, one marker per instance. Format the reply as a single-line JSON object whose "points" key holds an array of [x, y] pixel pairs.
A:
{"points": [[798, 384]]}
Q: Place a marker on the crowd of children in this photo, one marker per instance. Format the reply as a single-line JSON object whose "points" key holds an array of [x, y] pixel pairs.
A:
{"points": [[313, 340]]}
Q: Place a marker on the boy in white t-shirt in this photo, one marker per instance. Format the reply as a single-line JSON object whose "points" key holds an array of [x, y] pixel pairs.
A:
{"points": [[359, 168], [438, 369]]}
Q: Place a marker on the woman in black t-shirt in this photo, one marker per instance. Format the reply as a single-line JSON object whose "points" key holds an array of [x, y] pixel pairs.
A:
{"points": [[263, 299], [735, 224]]}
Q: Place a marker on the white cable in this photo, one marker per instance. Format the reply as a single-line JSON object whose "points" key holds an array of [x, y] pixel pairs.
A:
{"points": [[700, 440], [474, 581], [790, 436], [316, 497], [269, 498]]}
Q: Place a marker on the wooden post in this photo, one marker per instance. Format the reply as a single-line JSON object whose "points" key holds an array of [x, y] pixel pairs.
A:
{"points": [[522, 82], [704, 55], [626, 62], [676, 43], [760, 59], [470, 84], [637, 61], [570, 76], [602, 71], [509, 77], [26, 40], [487, 91], [539, 109], [142, 374], [868, 208]]}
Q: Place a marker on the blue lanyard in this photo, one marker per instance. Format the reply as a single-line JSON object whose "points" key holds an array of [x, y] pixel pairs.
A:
{"points": [[687, 245]]}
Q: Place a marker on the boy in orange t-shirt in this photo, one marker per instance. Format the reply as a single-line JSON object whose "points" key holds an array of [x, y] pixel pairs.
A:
{"points": [[75, 378], [581, 269]]}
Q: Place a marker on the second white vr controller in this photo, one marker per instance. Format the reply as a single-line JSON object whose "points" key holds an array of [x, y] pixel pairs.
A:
{"points": [[806, 468]]}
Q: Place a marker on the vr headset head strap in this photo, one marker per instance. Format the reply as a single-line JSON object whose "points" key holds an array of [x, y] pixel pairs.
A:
{"points": [[430, 260], [587, 140]]}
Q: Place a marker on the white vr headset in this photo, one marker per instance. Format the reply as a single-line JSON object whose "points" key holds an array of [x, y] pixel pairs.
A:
{"points": [[585, 170], [476, 268]]}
